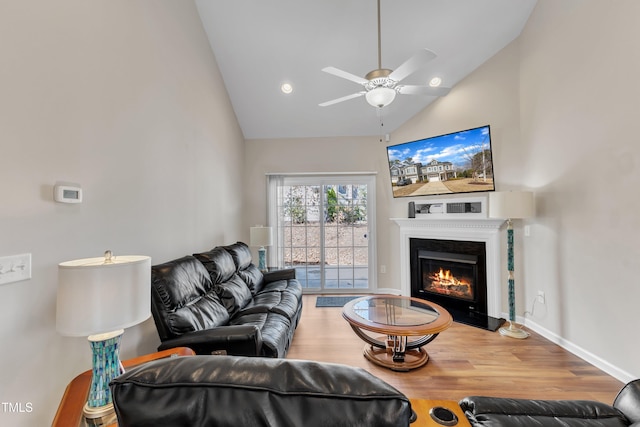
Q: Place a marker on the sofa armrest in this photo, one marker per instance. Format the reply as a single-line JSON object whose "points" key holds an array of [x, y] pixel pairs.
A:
{"points": [[284, 274], [239, 340], [628, 401], [483, 410]]}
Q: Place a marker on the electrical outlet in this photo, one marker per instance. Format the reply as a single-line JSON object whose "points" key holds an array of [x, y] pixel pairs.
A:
{"points": [[15, 268], [540, 297], [383, 269]]}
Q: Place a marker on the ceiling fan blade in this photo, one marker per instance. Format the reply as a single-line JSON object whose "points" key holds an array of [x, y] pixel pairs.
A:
{"points": [[344, 98], [412, 64], [345, 75], [422, 90]]}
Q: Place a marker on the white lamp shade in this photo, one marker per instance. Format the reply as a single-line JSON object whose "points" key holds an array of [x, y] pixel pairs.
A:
{"points": [[95, 297], [511, 204], [380, 96], [261, 236]]}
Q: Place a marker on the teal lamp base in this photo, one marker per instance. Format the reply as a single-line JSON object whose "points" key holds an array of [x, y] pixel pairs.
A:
{"points": [[262, 259], [106, 366], [512, 331]]}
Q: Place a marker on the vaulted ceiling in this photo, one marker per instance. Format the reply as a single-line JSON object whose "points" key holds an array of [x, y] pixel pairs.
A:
{"points": [[261, 44]]}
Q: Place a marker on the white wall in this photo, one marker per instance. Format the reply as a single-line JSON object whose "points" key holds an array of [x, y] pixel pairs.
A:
{"points": [[363, 154], [125, 98], [561, 101], [579, 119]]}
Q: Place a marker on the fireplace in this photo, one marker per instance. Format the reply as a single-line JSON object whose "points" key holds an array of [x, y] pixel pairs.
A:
{"points": [[449, 272], [452, 273], [465, 227]]}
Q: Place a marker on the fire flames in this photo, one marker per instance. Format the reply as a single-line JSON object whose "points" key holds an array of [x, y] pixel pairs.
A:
{"points": [[444, 282]]}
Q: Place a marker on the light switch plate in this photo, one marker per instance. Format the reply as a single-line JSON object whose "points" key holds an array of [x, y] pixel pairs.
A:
{"points": [[15, 268]]}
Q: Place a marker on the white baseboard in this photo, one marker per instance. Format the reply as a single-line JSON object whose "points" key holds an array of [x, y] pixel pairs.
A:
{"points": [[591, 358]]}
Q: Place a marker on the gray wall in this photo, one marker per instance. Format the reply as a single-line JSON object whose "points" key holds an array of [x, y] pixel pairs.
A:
{"points": [[125, 98], [579, 96]]}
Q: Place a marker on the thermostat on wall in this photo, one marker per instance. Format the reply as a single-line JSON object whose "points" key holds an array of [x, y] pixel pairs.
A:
{"points": [[67, 194]]}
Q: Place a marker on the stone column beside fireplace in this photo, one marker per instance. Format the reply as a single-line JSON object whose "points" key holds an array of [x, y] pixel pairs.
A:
{"points": [[462, 229]]}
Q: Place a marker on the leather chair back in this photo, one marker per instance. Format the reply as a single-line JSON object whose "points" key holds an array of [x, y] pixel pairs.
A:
{"points": [[251, 391]]}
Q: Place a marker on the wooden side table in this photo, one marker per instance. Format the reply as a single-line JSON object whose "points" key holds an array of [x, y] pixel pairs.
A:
{"points": [[423, 406], [75, 396]]}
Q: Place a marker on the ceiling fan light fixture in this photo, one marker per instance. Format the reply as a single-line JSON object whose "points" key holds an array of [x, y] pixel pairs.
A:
{"points": [[380, 97], [286, 88], [382, 84], [435, 82]]}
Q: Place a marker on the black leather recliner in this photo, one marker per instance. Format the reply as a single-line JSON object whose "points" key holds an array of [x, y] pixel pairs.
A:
{"points": [[219, 302], [504, 412], [247, 391]]}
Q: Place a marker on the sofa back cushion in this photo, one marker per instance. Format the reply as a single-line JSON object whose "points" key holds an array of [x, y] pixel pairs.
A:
{"points": [[218, 263], [232, 290], [183, 298], [234, 294], [240, 253], [248, 272], [253, 277], [252, 391]]}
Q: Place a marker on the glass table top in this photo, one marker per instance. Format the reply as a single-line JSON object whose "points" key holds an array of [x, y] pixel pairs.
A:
{"points": [[393, 311]]}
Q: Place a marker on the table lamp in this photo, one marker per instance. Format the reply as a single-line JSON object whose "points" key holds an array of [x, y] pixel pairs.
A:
{"points": [[98, 298], [511, 205], [261, 236]]}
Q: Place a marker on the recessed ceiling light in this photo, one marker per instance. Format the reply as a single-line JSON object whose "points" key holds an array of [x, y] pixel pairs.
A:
{"points": [[286, 88], [435, 82]]}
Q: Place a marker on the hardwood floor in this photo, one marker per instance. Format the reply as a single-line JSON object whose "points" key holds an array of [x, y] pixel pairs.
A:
{"points": [[463, 361]]}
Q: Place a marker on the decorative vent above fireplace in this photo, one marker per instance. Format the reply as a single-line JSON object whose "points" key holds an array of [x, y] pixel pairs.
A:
{"points": [[451, 208]]}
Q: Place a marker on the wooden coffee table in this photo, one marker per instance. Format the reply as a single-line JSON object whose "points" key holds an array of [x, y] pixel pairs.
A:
{"points": [[407, 323]]}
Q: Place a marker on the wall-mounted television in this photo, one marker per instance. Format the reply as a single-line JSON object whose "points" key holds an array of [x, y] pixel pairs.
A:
{"points": [[458, 162]]}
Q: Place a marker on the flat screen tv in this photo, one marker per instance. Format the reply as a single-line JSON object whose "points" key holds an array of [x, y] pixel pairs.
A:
{"points": [[458, 162]]}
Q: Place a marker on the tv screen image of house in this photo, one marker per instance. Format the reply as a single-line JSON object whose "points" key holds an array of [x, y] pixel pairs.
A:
{"points": [[458, 162]]}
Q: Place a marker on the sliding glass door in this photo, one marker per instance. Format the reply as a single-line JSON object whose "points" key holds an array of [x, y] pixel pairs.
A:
{"points": [[323, 225]]}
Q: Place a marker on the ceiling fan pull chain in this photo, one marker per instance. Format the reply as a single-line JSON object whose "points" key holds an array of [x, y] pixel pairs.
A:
{"points": [[379, 111]]}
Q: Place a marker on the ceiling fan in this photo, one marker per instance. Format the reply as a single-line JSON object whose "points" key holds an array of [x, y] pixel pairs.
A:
{"points": [[381, 84]]}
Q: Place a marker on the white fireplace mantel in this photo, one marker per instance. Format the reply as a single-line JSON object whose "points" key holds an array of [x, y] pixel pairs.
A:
{"points": [[473, 230]]}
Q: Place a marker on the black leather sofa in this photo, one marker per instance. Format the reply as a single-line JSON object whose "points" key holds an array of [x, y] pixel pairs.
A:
{"points": [[504, 412], [247, 391], [219, 302]]}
